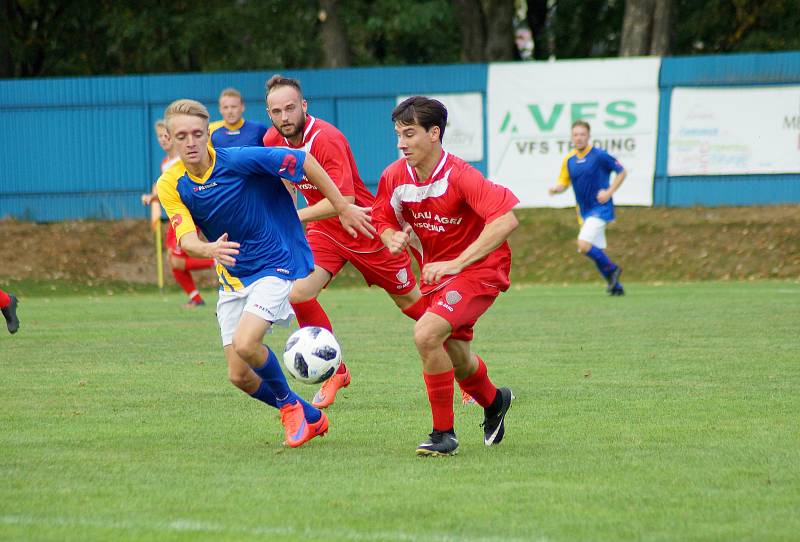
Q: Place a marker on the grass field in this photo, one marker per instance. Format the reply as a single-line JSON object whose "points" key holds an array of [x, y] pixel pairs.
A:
{"points": [[669, 414]]}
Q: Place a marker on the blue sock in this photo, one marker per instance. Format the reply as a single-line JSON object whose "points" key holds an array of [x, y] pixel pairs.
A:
{"points": [[313, 414], [272, 375], [603, 263], [264, 395]]}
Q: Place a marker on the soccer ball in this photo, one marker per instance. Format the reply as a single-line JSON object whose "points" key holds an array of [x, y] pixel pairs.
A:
{"points": [[312, 354]]}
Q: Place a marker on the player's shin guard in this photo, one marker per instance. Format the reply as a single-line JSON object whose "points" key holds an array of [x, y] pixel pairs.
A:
{"points": [[440, 395], [416, 310], [272, 374], [479, 386], [604, 265], [311, 313]]}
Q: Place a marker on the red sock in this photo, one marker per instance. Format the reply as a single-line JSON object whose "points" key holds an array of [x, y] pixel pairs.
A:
{"points": [[5, 301], [185, 280], [479, 386], [193, 264], [311, 313], [440, 395], [416, 310]]}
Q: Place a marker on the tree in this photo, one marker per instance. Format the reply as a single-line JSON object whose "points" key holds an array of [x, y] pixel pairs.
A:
{"points": [[333, 37], [646, 28], [487, 29]]}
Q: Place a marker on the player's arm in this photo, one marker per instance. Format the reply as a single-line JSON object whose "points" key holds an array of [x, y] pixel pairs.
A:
{"points": [[331, 156], [493, 235], [354, 219], [320, 210], [151, 199], [563, 181], [222, 250], [605, 195]]}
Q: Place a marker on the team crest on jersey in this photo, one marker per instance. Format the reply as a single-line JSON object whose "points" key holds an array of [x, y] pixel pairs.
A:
{"points": [[176, 221], [452, 297]]}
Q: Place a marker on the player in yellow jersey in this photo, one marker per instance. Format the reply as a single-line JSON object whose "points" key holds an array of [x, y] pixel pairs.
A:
{"points": [[237, 199]]}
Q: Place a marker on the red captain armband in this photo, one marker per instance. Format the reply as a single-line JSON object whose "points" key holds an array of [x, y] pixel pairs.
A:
{"points": [[176, 221]]}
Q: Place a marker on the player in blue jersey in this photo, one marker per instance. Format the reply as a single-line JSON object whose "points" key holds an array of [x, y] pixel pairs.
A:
{"points": [[236, 197], [587, 169], [233, 130]]}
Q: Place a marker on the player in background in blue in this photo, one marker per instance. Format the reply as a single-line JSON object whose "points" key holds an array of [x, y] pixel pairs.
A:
{"points": [[237, 198], [588, 169], [233, 130]]}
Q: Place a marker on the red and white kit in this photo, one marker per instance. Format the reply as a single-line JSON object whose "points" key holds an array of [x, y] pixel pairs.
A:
{"points": [[330, 243], [447, 212]]}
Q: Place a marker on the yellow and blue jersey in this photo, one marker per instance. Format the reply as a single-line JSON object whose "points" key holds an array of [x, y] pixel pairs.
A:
{"points": [[242, 194], [588, 173], [244, 134]]}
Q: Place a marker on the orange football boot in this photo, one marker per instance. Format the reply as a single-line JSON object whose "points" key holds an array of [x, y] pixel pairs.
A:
{"points": [[299, 431], [327, 393]]}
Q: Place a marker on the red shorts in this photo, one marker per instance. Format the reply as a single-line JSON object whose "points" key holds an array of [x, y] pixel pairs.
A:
{"points": [[172, 243], [381, 268], [461, 302]]}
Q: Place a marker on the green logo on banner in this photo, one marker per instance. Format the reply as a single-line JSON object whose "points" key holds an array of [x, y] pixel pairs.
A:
{"points": [[619, 114]]}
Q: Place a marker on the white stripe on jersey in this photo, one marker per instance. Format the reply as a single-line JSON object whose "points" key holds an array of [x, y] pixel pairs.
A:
{"points": [[414, 193]]}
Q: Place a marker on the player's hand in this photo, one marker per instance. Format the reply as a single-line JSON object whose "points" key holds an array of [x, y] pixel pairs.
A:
{"points": [[553, 190], [603, 196], [435, 272], [146, 199], [357, 220], [224, 251], [399, 240]]}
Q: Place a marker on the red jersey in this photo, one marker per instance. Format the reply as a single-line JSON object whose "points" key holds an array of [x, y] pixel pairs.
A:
{"points": [[447, 212], [331, 149]]}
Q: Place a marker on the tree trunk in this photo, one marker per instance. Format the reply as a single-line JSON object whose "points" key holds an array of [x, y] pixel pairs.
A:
{"points": [[636, 27], [500, 44], [332, 35], [537, 22], [662, 26], [473, 33]]}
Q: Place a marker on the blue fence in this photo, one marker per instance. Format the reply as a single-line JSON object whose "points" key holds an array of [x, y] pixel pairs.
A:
{"points": [[82, 148]]}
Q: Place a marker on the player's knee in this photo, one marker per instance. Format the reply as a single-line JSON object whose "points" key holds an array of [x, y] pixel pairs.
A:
{"points": [[239, 380], [584, 246], [177, 263], [298, 297], [247, 350], [426, 338]]}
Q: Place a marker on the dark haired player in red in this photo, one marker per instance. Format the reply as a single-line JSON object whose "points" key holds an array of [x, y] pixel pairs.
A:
{"points": [[293, 127], [456, 223], [8, 305]]}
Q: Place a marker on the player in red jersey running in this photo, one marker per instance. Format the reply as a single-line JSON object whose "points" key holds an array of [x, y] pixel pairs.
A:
{"points": [[293, 127], [180, 263], [456, 223]]}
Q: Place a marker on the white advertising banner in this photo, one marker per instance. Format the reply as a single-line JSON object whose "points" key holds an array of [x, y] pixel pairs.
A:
{"points": [[734, 131], [531, 107], [463, 135]]}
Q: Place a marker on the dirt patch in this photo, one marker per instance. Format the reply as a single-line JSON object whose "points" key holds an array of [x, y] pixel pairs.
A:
{"points": [[651, 243]]}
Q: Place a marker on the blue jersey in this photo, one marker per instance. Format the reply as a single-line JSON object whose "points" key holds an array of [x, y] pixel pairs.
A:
{"points": [[245, 134], [242, 194], [588, 174]]}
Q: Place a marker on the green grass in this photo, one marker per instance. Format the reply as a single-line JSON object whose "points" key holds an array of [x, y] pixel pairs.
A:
{"points": [[669, 414]]}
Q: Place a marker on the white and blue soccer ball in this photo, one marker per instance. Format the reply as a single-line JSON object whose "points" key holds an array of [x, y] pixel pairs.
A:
{"points": [[312, 354]]}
